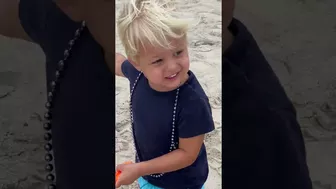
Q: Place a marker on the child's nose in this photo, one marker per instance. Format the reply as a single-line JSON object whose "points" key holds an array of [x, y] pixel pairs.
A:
{"points": [[172, 65]]}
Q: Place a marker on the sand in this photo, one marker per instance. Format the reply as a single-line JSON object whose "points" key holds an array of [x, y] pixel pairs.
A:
{"points": [[296, 36], [205, 57]]}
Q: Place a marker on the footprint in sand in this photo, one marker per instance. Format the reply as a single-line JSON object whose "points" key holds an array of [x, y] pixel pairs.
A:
{"points": [[121, 145], [319, 185], [323, 121], [204, 45], [5, 91], [216, 101], [325, 117]]}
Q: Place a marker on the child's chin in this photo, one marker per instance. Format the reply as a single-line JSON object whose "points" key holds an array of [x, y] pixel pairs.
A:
{"points": [[173, 85]]}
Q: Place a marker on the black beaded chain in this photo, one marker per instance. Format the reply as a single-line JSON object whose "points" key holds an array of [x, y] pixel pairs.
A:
{"points": [[48, 115]]}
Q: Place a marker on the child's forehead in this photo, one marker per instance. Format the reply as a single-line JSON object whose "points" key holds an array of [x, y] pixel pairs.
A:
{"points": [[174, 44]]}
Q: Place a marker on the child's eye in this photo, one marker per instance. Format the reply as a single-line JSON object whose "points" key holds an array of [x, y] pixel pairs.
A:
{"points": [[177, 53], [157, 61]]}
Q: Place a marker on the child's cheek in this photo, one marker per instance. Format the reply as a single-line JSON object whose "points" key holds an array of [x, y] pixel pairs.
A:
{"points": [[156, 76], [186, 63]]}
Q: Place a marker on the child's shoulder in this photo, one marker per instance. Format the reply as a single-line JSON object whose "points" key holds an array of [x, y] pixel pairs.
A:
{"points": [[192, 92], [195, 115], [130, 72]]}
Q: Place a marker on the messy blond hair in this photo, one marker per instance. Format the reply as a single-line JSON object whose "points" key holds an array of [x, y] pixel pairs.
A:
{"points": [[143, 22]]}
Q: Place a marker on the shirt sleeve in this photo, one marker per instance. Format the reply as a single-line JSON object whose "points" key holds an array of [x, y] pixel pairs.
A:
{"points": [[129, 71], [33, 17], [195, 119]]}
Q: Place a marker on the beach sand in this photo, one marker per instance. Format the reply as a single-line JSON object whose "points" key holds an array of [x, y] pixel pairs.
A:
{"points": [[296, 36], [205, 58]]}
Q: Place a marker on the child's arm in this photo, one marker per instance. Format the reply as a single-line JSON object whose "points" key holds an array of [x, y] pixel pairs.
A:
{"points": [[194, 122], [119, 60], [184, 156]]}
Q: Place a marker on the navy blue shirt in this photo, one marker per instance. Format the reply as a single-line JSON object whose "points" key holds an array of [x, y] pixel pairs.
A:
{"points": [[153, 116], [83, 111], [262, 145]]}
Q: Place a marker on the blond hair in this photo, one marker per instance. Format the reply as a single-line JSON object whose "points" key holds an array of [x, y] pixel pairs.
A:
{"points": [[143, 22]]}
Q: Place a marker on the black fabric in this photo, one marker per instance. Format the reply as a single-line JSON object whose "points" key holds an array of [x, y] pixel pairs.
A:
{"points": [[262, 145], [38, 10], [153, 116], [83, 112]]}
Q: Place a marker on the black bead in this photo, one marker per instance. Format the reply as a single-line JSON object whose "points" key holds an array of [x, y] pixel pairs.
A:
{"points": [[49, 167], [48, 105], [57, 74], [61, 64], [51, 186], [71, 42], [47, 116], [53, 84], [66, 53], [77, 33], [47, 136], [50, 177], [47, 126], [48, 147], [48, 157], [50, 96]]}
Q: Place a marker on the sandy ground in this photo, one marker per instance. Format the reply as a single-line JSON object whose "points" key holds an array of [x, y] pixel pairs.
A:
{"points": [[205, 56], [296, 36]]}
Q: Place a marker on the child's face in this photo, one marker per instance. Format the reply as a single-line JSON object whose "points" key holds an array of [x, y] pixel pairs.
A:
{"points": [[165, 69]]}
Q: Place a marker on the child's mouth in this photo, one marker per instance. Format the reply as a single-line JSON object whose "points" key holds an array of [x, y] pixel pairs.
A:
{"points": [[172, 76]]}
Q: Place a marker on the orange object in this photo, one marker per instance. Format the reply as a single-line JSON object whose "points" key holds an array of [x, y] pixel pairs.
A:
{"points": [[119, 172], [117, 175]]}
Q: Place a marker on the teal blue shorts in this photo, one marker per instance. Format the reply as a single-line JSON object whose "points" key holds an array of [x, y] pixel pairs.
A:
{"points": [[143, 184]]}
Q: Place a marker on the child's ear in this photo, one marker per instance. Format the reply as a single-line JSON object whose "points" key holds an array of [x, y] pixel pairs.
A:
{"points": [[135, 64]]}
